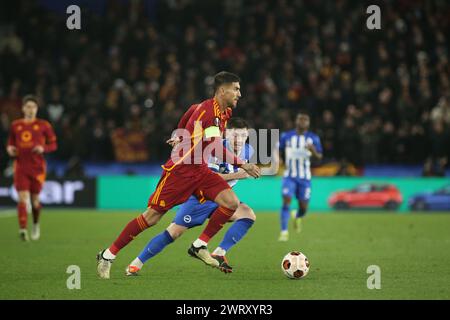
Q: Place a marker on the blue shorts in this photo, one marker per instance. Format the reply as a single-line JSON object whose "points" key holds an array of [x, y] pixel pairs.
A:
{"points": [[300, 188], [193, 213]]}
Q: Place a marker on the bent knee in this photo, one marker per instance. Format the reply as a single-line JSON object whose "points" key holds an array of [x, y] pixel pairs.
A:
{"points": [[246, 212], [232, 203], [175, 230], [151, 217], [23, 197]]}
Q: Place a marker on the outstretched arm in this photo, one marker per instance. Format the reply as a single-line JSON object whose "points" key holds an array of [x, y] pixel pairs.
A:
{"points": [[241, 174], [314, 152], [50, 143]]}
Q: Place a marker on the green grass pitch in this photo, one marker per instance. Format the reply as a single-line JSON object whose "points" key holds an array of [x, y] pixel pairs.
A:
{"points": [[412, 251]]}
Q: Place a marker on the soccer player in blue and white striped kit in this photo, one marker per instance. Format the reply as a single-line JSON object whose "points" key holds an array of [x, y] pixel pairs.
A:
{"points": [[196, 210], [296, 148]]}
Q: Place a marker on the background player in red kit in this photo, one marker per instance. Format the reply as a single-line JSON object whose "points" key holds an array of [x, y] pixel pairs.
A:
{"points": [[29, 138], [187, 173]]}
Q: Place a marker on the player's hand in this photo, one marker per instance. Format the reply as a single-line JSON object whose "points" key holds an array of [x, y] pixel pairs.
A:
{"points": [[173, 141], [314, 152], [38, 149], [311, 148], [242, 174], [12, 151], [252, 169]]}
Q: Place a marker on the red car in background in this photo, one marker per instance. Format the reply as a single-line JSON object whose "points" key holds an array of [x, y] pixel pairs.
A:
{"points": [[368, 195]]}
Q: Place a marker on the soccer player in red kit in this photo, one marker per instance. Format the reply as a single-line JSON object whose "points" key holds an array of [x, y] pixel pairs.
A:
{"points": [[29, 138], [186, 173]]}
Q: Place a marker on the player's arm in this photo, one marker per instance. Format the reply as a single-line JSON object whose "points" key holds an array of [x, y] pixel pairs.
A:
{"points": [[50, 141], [185, 118], [11, 148], [173, 141], [316, 149], [241, 174], [251, 168], [314, 152], [212, 131]]}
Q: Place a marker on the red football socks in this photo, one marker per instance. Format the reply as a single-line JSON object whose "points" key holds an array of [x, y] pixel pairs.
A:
{"points": [[216, 222], [133, 228], [22, 213], [36, 213]]}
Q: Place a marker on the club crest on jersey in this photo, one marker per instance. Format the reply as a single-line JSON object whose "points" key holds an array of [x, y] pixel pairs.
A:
{"points": [[26, 136], [216, 122]]}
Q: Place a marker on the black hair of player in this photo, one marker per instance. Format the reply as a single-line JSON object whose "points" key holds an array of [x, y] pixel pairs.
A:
{"points": [[28, 98], [224, 77], [237, 123]]}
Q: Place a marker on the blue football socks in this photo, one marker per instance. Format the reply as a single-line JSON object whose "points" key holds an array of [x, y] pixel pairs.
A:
{"points": [[235, 233], [284, 217], [155, 246]]}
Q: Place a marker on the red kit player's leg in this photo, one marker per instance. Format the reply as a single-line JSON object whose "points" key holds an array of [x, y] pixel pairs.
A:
{"points": [[217, 189], [131, 230], [173, 188], [22, 214], [22, 185], [35, 208], [36, 185], [216, 222]]}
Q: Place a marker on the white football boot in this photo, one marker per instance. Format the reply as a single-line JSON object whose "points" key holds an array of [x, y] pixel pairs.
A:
{"points": [[35, 232], [297, 222], [284, 236], [103, 265], [203, 254], [23, 233]]}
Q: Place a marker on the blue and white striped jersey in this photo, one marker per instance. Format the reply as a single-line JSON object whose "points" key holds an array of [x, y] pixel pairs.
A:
{"points": [[297, 157], [246, 154]]}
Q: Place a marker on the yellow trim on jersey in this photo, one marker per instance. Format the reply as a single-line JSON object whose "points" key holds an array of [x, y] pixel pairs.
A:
{"points": [[216, 108], [159, 189], [202, 199]]}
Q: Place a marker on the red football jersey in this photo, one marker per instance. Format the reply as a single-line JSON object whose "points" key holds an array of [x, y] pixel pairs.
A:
{"points": [[25, 136], [204, 124]]}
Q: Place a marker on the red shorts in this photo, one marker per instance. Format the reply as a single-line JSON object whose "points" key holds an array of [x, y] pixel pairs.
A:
{"points": [[25, 181], [176, 186]]}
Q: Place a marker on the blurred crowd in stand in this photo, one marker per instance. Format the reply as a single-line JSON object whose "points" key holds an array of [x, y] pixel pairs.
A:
{"points": [[374, 96]]}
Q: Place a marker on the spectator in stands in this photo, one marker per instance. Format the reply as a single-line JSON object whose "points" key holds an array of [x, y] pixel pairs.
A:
{"points": [[441, 112], [386, 88], [438, 142]]}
